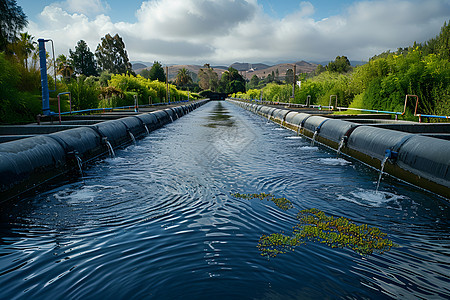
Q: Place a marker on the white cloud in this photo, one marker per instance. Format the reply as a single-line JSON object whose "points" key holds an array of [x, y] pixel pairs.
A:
{"points": [[174, 19], [67, 29], [87, 7], [224, 31]]}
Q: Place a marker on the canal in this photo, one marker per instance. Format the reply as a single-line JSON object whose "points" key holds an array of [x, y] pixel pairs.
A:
{"points": [[159, 221]]}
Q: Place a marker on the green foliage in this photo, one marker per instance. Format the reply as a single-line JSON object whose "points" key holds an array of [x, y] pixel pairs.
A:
{"points": [[22, 48], [319, 69], [254, 94], [145, 73], [63, 67], [254, 82], [231, 82], [12, 21], [16, 106], [321, 87], [112, 56], [84, 94], [111, 97], [277, 93], [83, 60], [29, 79], [340, 65], [386, 81], [358, 101], [105, 77], [183, 78], [208, 78], [249, 95], [157, 72], [381, 84], [440, 45], [289, 79], [144, 88]]}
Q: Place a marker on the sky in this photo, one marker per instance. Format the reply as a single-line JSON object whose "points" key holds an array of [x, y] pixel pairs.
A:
{"points": [[228, 31]]}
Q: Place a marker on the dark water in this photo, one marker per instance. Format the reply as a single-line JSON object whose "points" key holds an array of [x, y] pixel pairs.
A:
{"points": [[158, 222]]}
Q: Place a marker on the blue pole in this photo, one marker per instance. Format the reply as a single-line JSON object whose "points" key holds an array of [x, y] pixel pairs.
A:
{"points": [[44, 80]]}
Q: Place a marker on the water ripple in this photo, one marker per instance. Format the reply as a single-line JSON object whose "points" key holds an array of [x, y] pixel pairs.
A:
{"points": [[159, 221]]}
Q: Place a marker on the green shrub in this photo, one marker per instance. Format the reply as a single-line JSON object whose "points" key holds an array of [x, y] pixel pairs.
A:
{"points": [[16, 106], [84, 94]]}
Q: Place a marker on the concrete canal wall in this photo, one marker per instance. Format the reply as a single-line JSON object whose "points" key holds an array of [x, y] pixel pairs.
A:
{"points": [[29, 162], [411, 153]]}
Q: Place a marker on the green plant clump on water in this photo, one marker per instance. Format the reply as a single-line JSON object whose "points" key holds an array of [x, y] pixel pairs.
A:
{"points": [[282, 203], [315, 226]]}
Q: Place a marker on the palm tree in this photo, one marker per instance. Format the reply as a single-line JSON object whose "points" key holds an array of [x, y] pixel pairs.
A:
{"points": [[63, 67], [183, 77], [22, 48], [27, 43]]}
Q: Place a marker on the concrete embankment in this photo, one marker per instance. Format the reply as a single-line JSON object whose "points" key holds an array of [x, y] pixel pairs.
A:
{"points": [[413, 152], [30, 162]]}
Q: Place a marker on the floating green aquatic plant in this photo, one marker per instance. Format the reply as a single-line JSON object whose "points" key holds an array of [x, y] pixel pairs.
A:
{"points": [[315, 226], [282, 203]]}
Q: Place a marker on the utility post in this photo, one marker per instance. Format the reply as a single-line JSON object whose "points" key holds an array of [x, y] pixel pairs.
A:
{"points": [[167, 84], [294, 82]]}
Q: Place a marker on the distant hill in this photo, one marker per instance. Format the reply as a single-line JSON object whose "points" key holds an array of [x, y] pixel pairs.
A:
{"points": [[246, 69], [173, 70], [248, 66], [301, 67], [220, 67], [138, 65]]}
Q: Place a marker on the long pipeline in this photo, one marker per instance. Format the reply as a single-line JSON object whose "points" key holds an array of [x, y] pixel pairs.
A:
{"points": [[28, 163], [417, 159]]}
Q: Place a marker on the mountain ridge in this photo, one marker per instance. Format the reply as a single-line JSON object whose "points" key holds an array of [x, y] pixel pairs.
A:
{"points": [[246, 69]]}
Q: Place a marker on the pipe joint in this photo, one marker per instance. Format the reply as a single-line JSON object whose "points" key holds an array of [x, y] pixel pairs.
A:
{"points": [[391, 154]]}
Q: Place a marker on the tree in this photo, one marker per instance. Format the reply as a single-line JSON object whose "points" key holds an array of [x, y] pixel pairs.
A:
{"points": [[254, 82], [145, 73], [112, 56], [319, 69], [157, 72], [444, 41], [83, 60], [232, 82], [208, 78], [12, 21], [183, 78], [22, 48], [63, 67], [340, 65], [440, 45], [289, 76], [105, 76]]}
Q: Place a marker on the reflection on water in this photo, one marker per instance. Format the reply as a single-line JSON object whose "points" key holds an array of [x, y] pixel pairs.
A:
{"points": [[158, 221], [219, 117]]}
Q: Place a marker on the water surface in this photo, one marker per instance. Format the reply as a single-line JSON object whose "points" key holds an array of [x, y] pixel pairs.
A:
{"points": [[158, 221]]}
